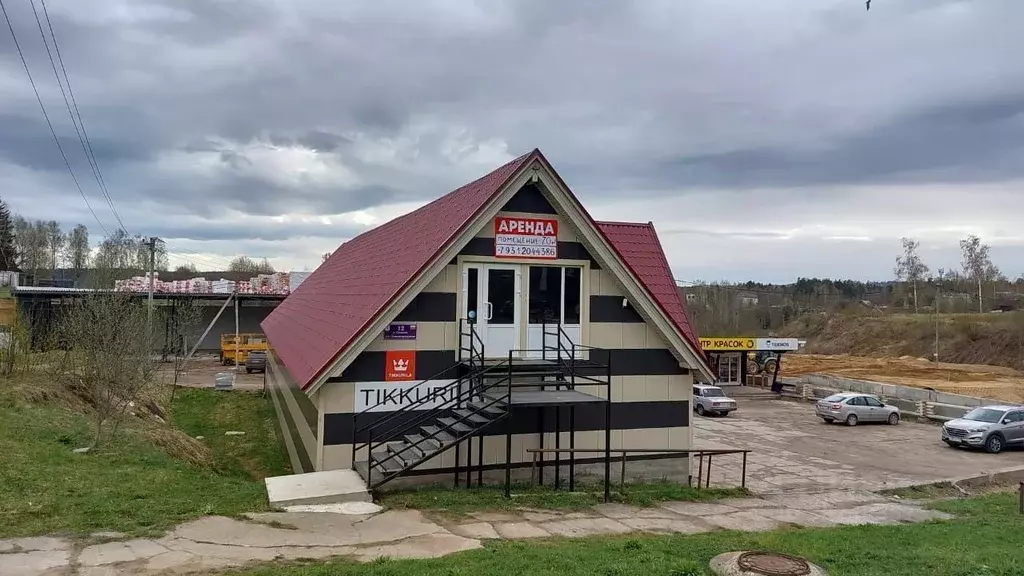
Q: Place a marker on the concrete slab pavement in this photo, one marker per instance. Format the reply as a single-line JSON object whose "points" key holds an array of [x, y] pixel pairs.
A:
{"points": [[794, 451], [217, 543]]}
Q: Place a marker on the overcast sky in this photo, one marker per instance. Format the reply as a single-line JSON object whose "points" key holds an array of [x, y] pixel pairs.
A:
{"points": [[765, 139]]}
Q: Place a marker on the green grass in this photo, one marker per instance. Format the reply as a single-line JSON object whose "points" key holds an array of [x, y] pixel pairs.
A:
{"points": [[985, 541], [257, 454], [491, 498], [131, 485]]}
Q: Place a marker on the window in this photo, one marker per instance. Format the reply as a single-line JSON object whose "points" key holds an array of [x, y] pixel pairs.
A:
{"points": [[555, 294], [545, 295], [856, 401], [573, 293], [989, 415], [696, 391], [1015, 417], [873, 402]]}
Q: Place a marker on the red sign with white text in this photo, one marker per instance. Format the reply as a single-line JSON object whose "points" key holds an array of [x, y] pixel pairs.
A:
{"points": [[400, 365], [526, 238]]}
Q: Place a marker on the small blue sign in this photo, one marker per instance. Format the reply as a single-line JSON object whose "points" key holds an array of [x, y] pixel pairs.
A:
{"points": [[400, 332]]}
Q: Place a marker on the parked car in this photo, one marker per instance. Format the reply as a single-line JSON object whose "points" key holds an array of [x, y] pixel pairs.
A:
{"points": [[256, 362], [711, 400], [988, 427], [853, 408]]}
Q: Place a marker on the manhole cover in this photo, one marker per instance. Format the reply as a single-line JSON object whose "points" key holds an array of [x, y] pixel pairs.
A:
{"points": [[772, 564]]}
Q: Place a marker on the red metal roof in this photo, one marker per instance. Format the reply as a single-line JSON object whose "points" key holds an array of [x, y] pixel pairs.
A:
{"points": [[346, 293], [640, 250], [342, 297]]}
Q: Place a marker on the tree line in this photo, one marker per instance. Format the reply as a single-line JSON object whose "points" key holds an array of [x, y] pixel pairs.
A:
{"points": [[755, 307], [41, 247], [977, 276]]}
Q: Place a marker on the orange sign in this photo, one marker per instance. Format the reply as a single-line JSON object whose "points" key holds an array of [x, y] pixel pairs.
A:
{"points": [[399, 365]]}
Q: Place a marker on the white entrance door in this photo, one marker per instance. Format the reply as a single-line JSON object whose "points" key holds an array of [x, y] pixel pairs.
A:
{"points": [[555, 296], [493, 292]]}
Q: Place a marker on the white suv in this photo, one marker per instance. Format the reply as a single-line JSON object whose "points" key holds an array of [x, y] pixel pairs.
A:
{"points": [[711, 400]]}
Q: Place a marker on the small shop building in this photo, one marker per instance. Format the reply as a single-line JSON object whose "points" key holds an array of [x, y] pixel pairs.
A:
{"points": [[494, 321]]}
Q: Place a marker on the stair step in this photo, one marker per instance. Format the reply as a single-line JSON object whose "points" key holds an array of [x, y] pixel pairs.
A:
{"points": [[394, 464], [487, 407], [428, 445], [406, 451], [437, 434], [472, 416], [453, 424]]}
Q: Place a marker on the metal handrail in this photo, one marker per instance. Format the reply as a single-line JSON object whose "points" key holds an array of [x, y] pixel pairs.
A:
{"points": [[376, 426], [472, 332], [420, 383], [459, 419], [699, 452], [476, 374]]}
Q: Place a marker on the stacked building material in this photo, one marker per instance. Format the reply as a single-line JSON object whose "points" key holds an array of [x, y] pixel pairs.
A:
{"points": [[276, 283], [223, 286]]}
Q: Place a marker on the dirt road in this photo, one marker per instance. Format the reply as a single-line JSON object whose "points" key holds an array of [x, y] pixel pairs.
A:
{"points": [[202, 371], [995, 382]]}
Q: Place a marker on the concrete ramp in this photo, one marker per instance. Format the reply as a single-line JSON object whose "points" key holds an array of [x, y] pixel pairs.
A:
{"points": [[330, 487]]}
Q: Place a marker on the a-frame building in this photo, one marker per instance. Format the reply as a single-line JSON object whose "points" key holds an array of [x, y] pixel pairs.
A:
{"points": [[499, 318]]}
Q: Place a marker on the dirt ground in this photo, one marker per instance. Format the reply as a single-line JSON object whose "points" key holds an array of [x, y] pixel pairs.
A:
{"points": [[981, 380], [202, 371]]}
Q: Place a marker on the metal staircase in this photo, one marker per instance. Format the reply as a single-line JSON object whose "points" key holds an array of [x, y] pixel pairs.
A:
{"points": [[482, 395]]}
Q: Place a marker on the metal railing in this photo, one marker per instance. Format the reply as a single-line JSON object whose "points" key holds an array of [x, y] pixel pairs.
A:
{"points": [[502, 401], [709, 453], [357, 430]]}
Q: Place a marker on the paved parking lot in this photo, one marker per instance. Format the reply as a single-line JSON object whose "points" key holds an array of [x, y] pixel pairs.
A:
{"points": [[793, 450]]}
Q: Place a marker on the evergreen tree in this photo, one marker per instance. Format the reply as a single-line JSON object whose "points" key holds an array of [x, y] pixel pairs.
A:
{"points": [[8, 252]]}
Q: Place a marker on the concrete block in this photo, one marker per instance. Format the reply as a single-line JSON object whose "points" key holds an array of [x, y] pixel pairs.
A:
{"points": [[328, 487]]}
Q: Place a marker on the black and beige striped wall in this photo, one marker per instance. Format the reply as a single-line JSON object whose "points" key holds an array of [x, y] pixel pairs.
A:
{"points": [[651, 391], [298, 420]]}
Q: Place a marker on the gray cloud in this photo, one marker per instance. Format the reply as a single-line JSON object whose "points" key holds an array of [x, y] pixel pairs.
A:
{"points": [[201, 112]]}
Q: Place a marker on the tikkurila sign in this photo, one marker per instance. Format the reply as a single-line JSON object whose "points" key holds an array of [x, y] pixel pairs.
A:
{"points": [[391, 396], [526, 238]]}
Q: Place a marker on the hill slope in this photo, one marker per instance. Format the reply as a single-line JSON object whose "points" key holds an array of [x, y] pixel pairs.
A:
{"points": [[994, 339]]}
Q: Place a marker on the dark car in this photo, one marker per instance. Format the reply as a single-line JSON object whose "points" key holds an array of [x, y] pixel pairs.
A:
{"points": [[256, 362]]}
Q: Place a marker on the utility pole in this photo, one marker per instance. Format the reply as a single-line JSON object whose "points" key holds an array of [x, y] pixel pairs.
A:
{"points": [[151, 244]]}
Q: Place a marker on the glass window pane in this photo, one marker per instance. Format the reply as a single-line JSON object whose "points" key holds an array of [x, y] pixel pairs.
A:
{"points": [[573, 294], [545, 294], [501, 293]]}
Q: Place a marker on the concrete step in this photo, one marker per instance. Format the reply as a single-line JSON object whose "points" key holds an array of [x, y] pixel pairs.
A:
{"points": [[328, 487]]}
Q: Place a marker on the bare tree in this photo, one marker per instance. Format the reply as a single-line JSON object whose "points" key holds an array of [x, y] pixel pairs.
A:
{"points": [[183, 320], [109, 357], [55, 241], [977, 264], [245, 264], [189, 267], [121, 251], [32, 244], [76, 249], [909, 267]]}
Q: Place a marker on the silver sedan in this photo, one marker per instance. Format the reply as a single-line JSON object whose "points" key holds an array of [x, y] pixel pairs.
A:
{"points": [[852, 408]]}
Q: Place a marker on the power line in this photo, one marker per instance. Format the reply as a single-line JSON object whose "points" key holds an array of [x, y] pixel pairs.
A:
{"points": [[83, 135], [214, 261], [46, 116]]}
